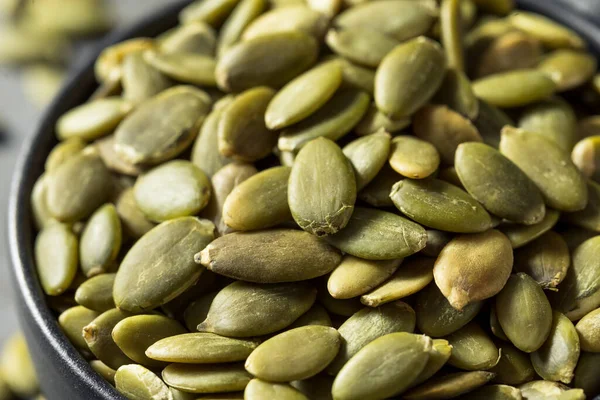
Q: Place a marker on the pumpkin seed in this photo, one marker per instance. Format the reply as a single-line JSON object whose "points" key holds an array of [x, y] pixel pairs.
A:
{"points": [[17, 367], [413, 158], [586, 157], [374, 121], [514, 88], [287, 19], [100, 241], [96, 293], [196, 69], [568, 68], [108, 66], [546, 259], [72, 322], [137, 382], [354, 276], [212, 12], [514, 366], [62, 152], [588, 330], [97, 335], [472, 349], [56, 256], [438, 356], [368, 155], [360, 45], [495, 392], [449, 386], [258, 389], [317, 387], [451, 24], [509, 51], [456, 93], [206, 378], [377, 192], [490, 122], [104, 370], [195, 37], [539, 390], [550, 33], [317, 315], [240, 18], [134, 222], [357, 77], [554, 119], [520, 235], [141, 80]]}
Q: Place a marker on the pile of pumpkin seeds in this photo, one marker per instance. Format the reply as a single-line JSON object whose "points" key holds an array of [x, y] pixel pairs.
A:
{"points": [[332, 200]]}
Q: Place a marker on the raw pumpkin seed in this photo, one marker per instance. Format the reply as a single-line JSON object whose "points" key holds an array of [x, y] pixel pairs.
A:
{"points": [[520, 235], [368, 155], [242, 16], [456, 93], [195, 37], [568, 68], [196, 69], [495, 392], [205, 152], [472, 349], [546, 259], [62, 152], [514, 366], [449, 386], [134, 222], [136, 382], [554, 119], [374, 121], [212, 12], [588, 329], [258, 389], [361, 45], [98, 336], [287, 19], [514, 88], [72, 322], [540, 390], [100, 241], [96, 293], [451, 24], [586, 156], [377, 192], [206, 378], [104, 370], [438, 356], [413, 158], [550, 33], [141, 80], [57, 258]]}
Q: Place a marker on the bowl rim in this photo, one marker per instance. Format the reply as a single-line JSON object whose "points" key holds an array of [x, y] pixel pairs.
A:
{"points": [[20, 226]]}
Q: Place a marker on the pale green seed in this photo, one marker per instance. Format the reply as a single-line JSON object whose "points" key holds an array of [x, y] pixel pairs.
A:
{"points": [[39, 203], [340, 307], [195, 37], [72, 322], [438, 356], [134, 222], [56, 258], [374, 121], [494, 392], [546, 260], [554, 119], [108, 64], [19, 46], [62, 152], [100, 241], [413, 158], [586, 156], [452, 32], [550, 33], [514, 88], [206, 378], [196, 69], [360, 45], [258, 389], [589, 217], [588, 329], [136, 382], [17, 367], [205, 152], [96, 293], [472, 349], [449, 386], [98, 336], [357, 77], [317, 315], [287, 19], [514, 366], [327, 7], [241, 17], [212, 12], [140, 80], [456, 93], [542, 390], [104, 371], [368, 155], [520, 235], [377, 192]]}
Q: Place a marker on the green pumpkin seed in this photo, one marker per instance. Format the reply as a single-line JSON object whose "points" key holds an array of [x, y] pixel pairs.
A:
{"points": [[271, 256], [409, 76], [546, 260], [412, 276], [19, 46], [96, 293], [514, 88], [56, 257], [554, 119], [62, 152], [137, 382], [246, 309], [97, 335], [368, 155], [440, 205], [134, 222], [206, 378], [354, 276], [141, 80], [589, 217], [373, 235], [396, 360], [134, 335], [472, 349], [437, 318], [548, 167], [586, 156], [147, 137], [271, 60], [72, 322], [540, 390], [490, 122], [200, 348], [357, 77], [449, 386], [438, 356], [17, 368], [86, 181], [196, 69], [494, 392], [550, 33], [451, 24], [106, 149], [242, 16], [342, 307], [527, 330], [242, 132], [578, 293], [327, 7], [588, 329], [586, 373], [520, 235], [109, 63], [224, 181], [445, 129], [258, 389], [473, 267], [168, 247], [413, 158], [377, 192], [456, 93], [369, 324], [568, 68], [104, 371], [100, 241], [317, 387], [399, 19], [514, 366], [317, 315], [374, 121], [361, 45], [195, 37], [557, 358], [197, 311], [212, 12], [333, 120], [498, 184], [287, 19]]}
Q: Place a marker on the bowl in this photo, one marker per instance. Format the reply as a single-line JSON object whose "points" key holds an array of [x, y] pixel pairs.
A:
{"points": [[62, 371]]}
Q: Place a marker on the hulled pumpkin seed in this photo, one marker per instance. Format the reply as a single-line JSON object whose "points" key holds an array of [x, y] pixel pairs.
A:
{"points": [[554, 119], [586, 156], [539, 390], [196, 312], [357, 77], [338, 307], [258, 389], [96, 293], [374, 121], [317, 315], [354, 276], [17, 367], [589, 217], [456, 93], [97, 335], [62, 152], [413, 158], [205, 152], [550, 33], [57, 258], [451, 25], [212, 12], [108, 65], [588, 329], [546, 260], [237, 22], [100, 241], [134, 222], [104, 370], [368, 155], [106, 149], [472, 349], [514, 88], [568, 68], [449, 386], [360, 45], [136, 382], [141, 80], [196, 69], [495, 392], [72, 322], [490, 122], [206, 378], [196, 37], [436, 241], [286, 19], [438, 356], [520, 235], [514, 366]]}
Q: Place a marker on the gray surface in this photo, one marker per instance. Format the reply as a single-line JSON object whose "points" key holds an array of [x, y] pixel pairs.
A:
{"points": [[19, 118]]}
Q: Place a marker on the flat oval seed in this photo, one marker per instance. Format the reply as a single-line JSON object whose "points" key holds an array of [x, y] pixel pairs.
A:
{"points": [[357, 77], [259, 202], [339, 307], [327, 7], [440, 205], [449, 386], [134, 222], [494, 392], [18, 368], [413, 158], [92, 120], [412, 276], [137, 382], [546, 260], [377, 192], [322, 188], [586, 156], [141, 80], [96, 293], [451, 24], [168, 248], [355, 276], [72, 322], [100, 342], [146, 136], [200, 348], [409, 76], [399, 19], [579, 292], [212, 12], [524, 312], [374, 121], [206, 378], [514, 88], [303, 95], [333, 120], [104, 371], [550, 33], [196, 69], [438, 356], [472, 349], [135, 334], [445, 129], [197, 311], [548, 167], [62, 152], [78, 187], [368, 155], [557, 358], [246, 309], [195, 37], [373, 235], [498, 184], [586, 373], [258, 390], [317, 315], [456, 93], [540, 390], [306, 350], [174, 189], [436, 317], [271, 256], [360, 45], [271, 60], [473, 267], [383, 368], [554, 119], [589, 217], [369, 324], [205, 152], [588, 329], [100, 241], [520, 235], [242, 132], [56, 258], [514, 366], [285, 19], [241, 17]]}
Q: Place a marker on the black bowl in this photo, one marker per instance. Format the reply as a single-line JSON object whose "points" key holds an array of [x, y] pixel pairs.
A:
{"points": [[63, 373]]}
